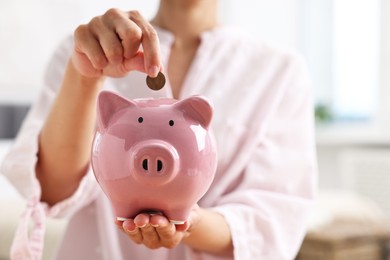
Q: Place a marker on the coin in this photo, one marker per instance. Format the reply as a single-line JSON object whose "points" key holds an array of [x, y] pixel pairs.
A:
{"points": [[156, 83]]}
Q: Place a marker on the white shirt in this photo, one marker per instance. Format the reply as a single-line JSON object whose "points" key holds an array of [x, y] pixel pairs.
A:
{"points": [[266, 176]]}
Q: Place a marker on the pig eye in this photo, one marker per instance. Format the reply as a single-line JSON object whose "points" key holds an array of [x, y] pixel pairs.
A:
{"points": [[171, 122], [140, 119]]}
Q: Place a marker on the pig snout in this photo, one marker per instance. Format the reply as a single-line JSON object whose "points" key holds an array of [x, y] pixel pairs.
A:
{"points": [[154, 161]]}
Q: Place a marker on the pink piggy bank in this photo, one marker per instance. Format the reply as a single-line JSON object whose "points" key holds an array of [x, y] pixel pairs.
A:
{"points": [[153, 155]]}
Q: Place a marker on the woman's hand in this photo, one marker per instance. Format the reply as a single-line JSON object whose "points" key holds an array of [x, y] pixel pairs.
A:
{"points": [[109, 45], [155, 231]]}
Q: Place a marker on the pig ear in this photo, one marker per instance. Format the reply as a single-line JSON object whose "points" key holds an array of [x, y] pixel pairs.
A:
{"points": [[108, 104], [197, 108]]}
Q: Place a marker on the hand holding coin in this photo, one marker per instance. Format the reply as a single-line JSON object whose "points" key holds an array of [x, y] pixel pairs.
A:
{"points": [[156, 83]]}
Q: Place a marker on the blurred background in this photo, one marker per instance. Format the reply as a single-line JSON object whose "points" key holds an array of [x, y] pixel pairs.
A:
{"points": [[346, 44]]}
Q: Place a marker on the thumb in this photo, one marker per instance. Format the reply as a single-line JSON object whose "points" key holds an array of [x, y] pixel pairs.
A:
{"points": [[135, 63]]}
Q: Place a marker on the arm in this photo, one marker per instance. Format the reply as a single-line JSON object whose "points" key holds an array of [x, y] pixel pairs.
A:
{"points": [[107, 46], [66, 137], [210, 234]]}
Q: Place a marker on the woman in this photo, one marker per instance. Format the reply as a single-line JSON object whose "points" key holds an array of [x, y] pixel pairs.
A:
{"points": [[265, 181]]}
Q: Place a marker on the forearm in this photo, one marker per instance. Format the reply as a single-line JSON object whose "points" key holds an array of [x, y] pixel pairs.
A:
{"points": [[211, 234], [66, 137]]}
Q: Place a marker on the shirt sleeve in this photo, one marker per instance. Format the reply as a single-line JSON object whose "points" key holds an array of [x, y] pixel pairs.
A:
{"points": [[19, 167], [269, 206], [19, 164]]}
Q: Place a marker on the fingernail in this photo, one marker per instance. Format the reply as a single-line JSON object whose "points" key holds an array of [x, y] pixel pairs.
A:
{"points": [[154, 225], [131, 231], [153, 71], [144, 225]]}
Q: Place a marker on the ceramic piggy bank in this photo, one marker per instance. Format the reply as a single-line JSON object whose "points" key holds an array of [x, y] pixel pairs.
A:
{"points": [[153, 155]]}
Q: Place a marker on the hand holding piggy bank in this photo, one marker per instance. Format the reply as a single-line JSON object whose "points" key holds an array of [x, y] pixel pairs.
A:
{"points": [[153, 155]]}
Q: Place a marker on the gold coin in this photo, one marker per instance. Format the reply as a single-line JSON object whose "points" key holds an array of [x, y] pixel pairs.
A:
{"points": [[156, 83]]}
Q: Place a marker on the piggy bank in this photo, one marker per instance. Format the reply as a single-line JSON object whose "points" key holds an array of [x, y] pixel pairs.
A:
{"points": [[153, 155]]}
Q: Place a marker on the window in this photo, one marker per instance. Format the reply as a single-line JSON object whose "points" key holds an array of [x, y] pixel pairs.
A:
{"points": [[342, 45]]}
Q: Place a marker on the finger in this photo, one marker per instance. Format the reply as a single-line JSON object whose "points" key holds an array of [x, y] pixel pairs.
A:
{"points": [[150, 43], [84, 65], [131, 36], [166, 231], [111, 46], [127, 31], [158, 220], [87, 44], [118, 223], [135, 63], [164, 228], [108, 40], [141, 220], [183, 227], [150, 237], [132, 231]]}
